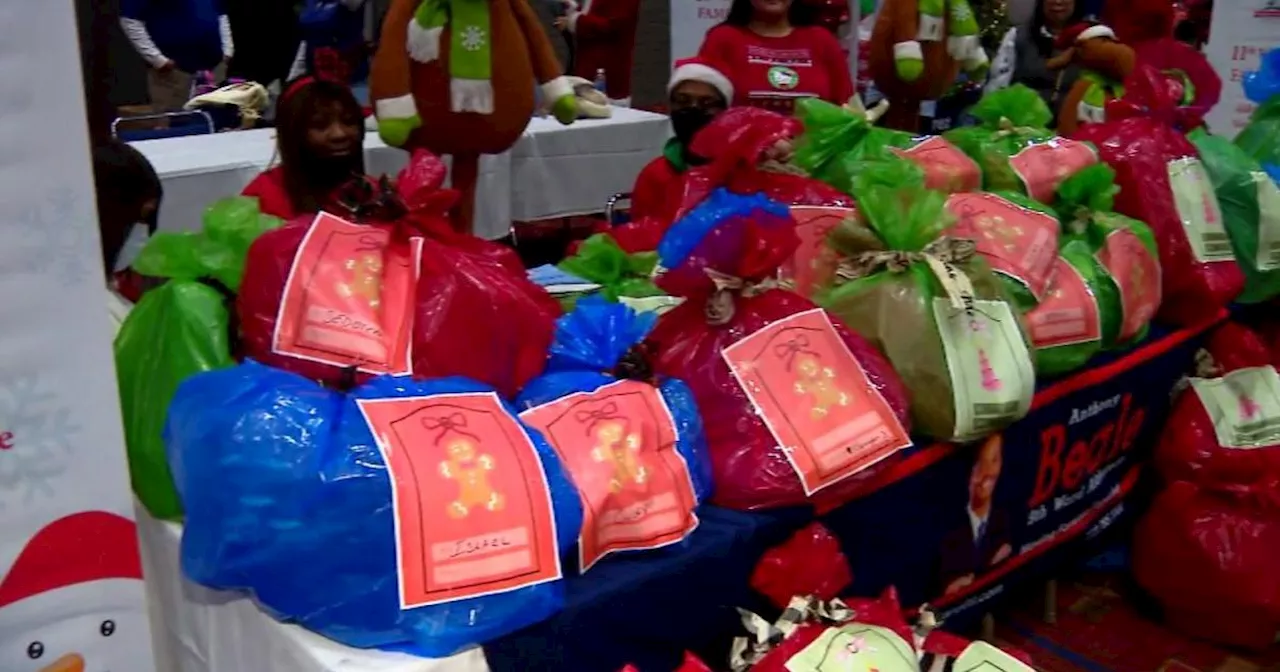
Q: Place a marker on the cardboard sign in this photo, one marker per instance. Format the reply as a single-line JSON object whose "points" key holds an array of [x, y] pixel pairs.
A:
{"points": [[1244, 406], [991, 373], [348, 300], [1042, 167], [1198, 208], [472, 506], [1069, 312], [814, 263], [1136, 272], [815, 398], [946, 168], [619, 445], [855, 646], [1017, 242]]}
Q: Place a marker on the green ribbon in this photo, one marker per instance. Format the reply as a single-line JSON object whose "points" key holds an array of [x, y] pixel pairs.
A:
{"points": [[619, 274]]}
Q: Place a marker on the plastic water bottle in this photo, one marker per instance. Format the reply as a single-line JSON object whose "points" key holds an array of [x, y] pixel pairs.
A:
{"points": [[601, 84]]}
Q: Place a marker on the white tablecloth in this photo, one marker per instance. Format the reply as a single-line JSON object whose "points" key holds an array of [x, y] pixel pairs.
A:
{"points": [[553, 170], [202, 630]]}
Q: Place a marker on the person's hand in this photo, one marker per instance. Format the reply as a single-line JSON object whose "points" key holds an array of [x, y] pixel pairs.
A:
{"points": [[780, 151], [167, 66], [1002, 554], [959, 584]]}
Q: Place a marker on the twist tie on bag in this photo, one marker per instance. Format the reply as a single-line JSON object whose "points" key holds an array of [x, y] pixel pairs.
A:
{"points": [[635, 364], [1080, 220], [747, 651], [1006, 127], [720, 308], [942, 256], [1205, 366]]}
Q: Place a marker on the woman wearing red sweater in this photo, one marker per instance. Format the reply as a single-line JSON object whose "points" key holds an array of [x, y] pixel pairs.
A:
{"points": [[320, 141], [774, 55]]}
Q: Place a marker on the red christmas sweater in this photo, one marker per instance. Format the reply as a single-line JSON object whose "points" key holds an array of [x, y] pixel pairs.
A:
{"points": [[773, 72]]}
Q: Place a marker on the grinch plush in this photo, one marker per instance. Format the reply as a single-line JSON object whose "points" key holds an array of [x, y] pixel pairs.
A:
{"points": [[1104, 64], [453, 77], [917, 49]]}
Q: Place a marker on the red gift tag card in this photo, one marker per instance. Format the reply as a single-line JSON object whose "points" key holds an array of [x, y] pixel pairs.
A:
{"points": [[814, 263], [619, 445], [1042, 167], [472, 506], [1016, 241], [815, 398], [1068, 314], [348, 300], [946, 168], [1136, 273]]}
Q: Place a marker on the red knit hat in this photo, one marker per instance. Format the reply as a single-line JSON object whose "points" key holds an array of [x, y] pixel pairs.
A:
{"points": [[698, 69], [83, 547], [1080, 32]]}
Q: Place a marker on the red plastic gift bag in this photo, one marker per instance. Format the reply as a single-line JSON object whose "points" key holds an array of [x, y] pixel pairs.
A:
{"points": [[396, 291], [769, 369], [814, 264], [1163, 184], [746, 149], [1209, 557], [1224, 429], [809, 563], [691, 663]]}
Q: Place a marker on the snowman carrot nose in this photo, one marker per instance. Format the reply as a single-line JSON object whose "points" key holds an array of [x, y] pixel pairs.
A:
{"points": [[72, 662]]}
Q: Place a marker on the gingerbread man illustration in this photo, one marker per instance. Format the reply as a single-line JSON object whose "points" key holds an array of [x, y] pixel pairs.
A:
{"points": [[365, 279], [470, 469], [621, 450], [819, 382]]}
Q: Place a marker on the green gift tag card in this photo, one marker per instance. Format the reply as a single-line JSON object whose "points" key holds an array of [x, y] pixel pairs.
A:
{"points": [[982, 657], [856, 648]]}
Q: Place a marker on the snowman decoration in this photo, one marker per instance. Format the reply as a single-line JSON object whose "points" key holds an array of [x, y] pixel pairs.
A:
{"points": [[74, 601]]}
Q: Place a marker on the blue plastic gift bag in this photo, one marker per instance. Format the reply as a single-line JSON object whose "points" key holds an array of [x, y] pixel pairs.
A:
{"points": [[289, 496], [633, 444], [686, 233]]}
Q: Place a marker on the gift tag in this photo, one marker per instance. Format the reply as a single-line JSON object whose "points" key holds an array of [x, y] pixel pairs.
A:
{"points": [[991, 372], [1136, 272], [814, 263], [1198, 209], [348, 299], [855, 646], [815, 398], [1244, 406], [1268, 222], [473, 510], [1042, 167], [983, 657], [619, 445], [1069, 312], [1017, 242], [946, 168]]}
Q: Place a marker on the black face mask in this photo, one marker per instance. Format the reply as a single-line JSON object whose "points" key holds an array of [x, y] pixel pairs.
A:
{"points": [[687, 121]]}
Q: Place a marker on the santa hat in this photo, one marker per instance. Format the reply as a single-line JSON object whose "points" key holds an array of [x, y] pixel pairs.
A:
{"points": [[1082, 32], [81, 548], [700, 70]]}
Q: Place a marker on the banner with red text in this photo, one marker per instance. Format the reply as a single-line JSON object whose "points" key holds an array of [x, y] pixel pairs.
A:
{"points": [[1241, 31]]}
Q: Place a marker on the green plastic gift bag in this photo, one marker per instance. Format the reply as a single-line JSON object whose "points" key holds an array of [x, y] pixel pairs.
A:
{"points": [[930, 303], [1067, 327], [1250, 204], [1123, 248], [1015, 149], [839, 142], [620, 275], [177, 330], [1017, 237]]}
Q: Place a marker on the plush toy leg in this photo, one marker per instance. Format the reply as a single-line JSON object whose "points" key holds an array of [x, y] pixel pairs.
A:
{"points": [[465, 176], [903, 115]]}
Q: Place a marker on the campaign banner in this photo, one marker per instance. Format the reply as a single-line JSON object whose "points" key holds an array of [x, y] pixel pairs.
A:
{"points": [[71, 592], [690, 21], [1240, 32], [956, 524]]}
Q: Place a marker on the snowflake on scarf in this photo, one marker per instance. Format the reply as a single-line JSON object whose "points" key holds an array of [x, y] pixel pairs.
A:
{"points": [[474, 38]]}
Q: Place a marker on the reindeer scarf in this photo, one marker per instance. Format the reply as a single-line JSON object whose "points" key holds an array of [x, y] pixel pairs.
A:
{"points": [[470, 48]]}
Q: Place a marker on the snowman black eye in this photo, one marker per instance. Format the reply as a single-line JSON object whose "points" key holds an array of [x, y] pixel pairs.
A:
{"points": [[35, 650], [107, 628]]}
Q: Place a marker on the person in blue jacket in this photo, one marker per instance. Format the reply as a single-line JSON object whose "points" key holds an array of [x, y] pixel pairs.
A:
{"points": [[177, 38], [333, 40]]}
